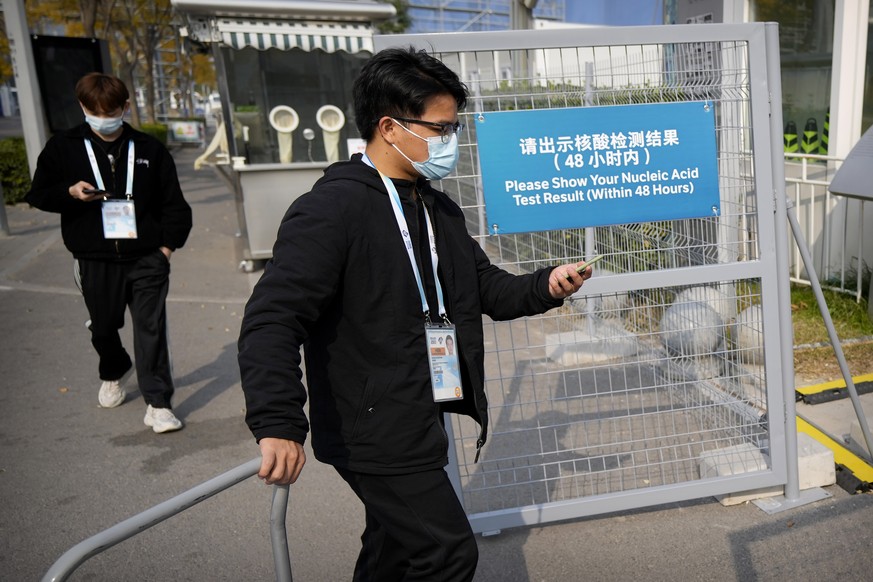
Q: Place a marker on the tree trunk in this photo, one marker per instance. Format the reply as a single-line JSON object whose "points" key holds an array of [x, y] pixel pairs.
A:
{"points": [[88, 9], [126, 74], [149, 80], [130, 80], [149, 46]]}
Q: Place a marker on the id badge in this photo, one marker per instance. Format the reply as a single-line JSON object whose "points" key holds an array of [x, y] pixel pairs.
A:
{"points": [[119, 219], [445, 369]]}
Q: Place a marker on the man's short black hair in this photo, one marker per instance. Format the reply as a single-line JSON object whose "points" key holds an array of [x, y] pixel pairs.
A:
{"points": [[398, 82]]}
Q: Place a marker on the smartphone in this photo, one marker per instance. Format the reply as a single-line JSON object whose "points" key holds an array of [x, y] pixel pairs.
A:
{"points": [[588, 263], [95, 191]]}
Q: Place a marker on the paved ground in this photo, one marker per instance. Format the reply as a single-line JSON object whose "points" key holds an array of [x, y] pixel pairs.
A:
{"points": [[69, 469], [10, 126]]}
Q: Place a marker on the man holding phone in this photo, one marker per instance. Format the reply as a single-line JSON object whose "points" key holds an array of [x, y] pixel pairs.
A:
{"points": [[375, 276], [122, 216]]}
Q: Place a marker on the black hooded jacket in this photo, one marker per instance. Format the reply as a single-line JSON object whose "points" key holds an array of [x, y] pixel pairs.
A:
{"points": [[340, 285], [163, 217]]}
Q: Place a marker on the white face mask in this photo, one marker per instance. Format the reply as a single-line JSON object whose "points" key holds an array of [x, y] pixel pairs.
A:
{"points": [[104, 125], [441, 157]]}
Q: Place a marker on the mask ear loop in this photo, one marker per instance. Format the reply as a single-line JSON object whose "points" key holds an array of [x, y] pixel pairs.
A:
{"points": [[393, 145], [424, 139], [402, 154]]}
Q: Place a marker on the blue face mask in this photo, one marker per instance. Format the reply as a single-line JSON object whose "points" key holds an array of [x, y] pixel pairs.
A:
{"points": [[441, 157], [104, 125]]}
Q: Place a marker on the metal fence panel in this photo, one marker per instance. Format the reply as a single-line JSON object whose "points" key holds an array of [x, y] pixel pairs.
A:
{"points": [[656, 382], [833, 226]]}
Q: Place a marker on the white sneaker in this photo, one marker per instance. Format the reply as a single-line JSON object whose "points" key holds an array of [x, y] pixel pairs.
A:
{"points": [[161, 419], [111, 394]]}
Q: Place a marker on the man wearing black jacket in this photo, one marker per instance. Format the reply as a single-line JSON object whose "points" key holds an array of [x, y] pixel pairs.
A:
{"points": [[122, 216], [372, 273]]}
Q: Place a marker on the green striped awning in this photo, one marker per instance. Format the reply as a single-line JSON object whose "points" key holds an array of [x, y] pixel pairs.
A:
{"points": [[286, 35]]}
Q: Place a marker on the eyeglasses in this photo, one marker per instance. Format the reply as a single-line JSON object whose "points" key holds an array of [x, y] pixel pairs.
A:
{"points": [[446, 129]]}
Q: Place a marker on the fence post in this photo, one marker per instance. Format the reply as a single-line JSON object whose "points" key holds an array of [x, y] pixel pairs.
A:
{"points": [[4, 224], [792, 495]]}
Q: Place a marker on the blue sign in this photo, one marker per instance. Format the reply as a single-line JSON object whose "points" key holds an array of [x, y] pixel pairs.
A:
{"points": [[594, 166]]}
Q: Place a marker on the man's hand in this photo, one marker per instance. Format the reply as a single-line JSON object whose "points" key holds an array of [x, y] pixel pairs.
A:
{"points": [[564, 280], [281, 461], [167, 252], [77, 191]]}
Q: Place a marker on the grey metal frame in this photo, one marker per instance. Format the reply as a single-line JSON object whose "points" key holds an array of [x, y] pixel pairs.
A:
{"points": [[768, 266], [78, 554]]}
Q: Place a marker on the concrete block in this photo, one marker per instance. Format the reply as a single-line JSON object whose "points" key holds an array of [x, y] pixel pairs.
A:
{"points": [[598, 341], [815, 463], [856, 435], [736, 460]]}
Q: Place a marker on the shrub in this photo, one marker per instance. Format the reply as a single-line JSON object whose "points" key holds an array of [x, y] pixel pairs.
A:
{"points": [[14, 171], [158, 130]]}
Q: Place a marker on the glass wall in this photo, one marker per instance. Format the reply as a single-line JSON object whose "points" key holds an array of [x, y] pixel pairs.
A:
{"points": [[473, 15], [302, 80], [806, 41]]}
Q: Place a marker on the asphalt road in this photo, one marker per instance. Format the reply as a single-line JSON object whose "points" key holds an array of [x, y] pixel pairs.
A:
{"points": [[69, 469]]}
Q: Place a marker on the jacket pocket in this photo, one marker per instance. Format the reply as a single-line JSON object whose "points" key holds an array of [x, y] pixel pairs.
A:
{"points": [[398, 427], [365, 409]]}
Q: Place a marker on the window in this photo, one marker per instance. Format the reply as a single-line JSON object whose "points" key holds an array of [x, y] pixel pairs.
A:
{"points": [[806, 41], [260, 80]]}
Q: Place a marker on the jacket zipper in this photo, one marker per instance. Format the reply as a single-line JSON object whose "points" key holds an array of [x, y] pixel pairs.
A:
{"points": [[440, 422], [115, 186], [480, 441]]}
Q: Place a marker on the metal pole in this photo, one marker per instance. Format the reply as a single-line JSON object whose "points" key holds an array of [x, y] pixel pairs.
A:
{"points": [[520, 14], [829, 324], [75, 556], [29, 97], [792, 497], [224, 95], [4, 223], [774, 82], [520, 18], [870, 307], [278, 534]]}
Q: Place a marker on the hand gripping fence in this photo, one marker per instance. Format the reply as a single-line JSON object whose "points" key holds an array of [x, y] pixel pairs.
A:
{"points": [[75, 556]]}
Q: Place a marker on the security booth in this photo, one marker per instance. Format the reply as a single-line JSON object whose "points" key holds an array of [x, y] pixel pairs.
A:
{"points": [[285, 72]]}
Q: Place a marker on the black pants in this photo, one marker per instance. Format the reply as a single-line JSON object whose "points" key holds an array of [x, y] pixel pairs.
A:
{"points": [[416, 529], [141, 285]]}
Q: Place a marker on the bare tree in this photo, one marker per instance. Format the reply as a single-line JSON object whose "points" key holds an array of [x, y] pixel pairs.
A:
{"points": [[89, 10], [135, 29]]}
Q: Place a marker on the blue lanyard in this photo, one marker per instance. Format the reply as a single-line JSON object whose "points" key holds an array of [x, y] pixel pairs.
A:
{"points": [[407, 241]]}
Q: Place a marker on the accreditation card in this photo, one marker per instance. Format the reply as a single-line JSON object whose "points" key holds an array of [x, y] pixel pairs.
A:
{"points": [[119, 219], [445, 369]]}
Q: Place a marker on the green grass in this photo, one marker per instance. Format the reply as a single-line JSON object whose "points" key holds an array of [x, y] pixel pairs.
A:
{"points": [[849, 317]]}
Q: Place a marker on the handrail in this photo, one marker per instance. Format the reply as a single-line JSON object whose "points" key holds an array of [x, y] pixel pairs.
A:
{"points": [[278, 534], [75, 556]]}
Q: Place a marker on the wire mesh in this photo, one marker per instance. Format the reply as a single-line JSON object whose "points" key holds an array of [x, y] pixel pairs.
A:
{"points": [[616, 392], [601, 76], [620, 391]]}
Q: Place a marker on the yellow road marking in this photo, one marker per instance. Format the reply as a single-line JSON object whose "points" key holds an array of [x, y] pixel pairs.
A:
{"points": [[834, 385], [842, 455]]}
